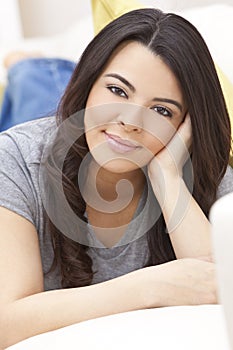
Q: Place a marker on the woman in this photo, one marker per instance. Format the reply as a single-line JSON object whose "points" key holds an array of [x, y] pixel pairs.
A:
{"points": [[144, 92]]}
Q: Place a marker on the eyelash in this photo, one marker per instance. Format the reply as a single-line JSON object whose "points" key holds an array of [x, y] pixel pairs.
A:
{"points": [[117, 91], [160, 109], [163, 111]]}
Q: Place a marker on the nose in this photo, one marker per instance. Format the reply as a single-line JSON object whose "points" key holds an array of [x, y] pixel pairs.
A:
{"points": [[129, 127], [130, 118]]}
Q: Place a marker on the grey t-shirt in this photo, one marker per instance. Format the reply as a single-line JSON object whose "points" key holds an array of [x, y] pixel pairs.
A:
{"points": [[21, 149]]}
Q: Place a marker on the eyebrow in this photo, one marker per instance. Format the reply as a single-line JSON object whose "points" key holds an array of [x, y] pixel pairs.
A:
{"points": [[123, 80], [168, 100], [132, 88]]}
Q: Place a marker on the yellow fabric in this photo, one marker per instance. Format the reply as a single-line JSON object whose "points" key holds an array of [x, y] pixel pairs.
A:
{"points": [[227, 88], [104, 11]]}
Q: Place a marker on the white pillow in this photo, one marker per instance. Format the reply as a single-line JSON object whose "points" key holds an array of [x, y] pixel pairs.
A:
{"points": [[69, 44]]}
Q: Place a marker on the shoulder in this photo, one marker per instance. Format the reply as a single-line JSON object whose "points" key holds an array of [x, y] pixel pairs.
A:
{"points": [[21, 150], [226, 185], [28, 139]]}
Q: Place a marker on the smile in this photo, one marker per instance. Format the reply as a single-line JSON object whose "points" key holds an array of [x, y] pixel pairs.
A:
{"points": [[120, 145]]}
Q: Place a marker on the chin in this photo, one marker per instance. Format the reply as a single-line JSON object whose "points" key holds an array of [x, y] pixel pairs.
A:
{"points": [[120, 166], [118, 163]]}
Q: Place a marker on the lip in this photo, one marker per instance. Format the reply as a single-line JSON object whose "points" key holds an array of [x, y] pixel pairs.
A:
{"points": [[117, 144]]}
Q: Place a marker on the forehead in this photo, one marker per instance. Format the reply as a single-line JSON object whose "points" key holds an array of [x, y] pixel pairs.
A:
{"points": [[140, 65]]}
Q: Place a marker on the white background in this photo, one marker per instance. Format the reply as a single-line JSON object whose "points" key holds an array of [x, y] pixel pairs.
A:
{"points": [[48, 17]]}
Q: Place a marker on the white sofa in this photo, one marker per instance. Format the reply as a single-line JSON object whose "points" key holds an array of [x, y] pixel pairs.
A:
{"points": [[213, 19]]}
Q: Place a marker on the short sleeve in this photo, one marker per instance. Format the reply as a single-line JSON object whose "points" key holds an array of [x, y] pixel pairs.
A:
{"points": [[226, 185], [16, 193]]}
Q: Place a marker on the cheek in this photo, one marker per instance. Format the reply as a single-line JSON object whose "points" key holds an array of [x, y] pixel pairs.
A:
{"points": [[94, 137], [158, 130], [158, 136], [99, 116], [152, 146]]}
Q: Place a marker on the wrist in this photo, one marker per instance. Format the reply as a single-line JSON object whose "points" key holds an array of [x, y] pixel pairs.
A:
{"points": [[154, 289], [167, 186]]}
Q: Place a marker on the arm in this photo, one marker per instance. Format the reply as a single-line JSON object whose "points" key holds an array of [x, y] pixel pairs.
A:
{"points": [[187, 225], [27, 310]]}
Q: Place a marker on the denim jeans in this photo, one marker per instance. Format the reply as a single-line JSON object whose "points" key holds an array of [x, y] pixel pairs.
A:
{"points": [[34, 88]]}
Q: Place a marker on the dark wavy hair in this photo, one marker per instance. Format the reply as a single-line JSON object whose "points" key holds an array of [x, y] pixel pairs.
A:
{"points": [[181, 47]]}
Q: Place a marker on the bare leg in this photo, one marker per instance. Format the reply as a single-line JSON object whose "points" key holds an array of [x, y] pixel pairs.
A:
{"points": [[16, 56]]}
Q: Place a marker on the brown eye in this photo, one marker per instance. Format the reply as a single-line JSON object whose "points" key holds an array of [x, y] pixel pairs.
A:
{"points": [[163, 111], [117, 91]]}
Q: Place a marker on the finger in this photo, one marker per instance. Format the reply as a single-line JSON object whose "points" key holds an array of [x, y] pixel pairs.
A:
{"points": [[208, 258], [184, 133], [182, 140]]}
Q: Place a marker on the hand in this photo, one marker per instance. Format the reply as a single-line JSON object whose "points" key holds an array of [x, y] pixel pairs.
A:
{"points": [[208, 258], [182, 282], [173, 156]]}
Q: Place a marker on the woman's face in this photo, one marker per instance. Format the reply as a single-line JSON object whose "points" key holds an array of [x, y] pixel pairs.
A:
{"points": [[133, 109]]}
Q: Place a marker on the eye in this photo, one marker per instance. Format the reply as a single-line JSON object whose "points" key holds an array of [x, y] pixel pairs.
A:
{"points": [[117, 91], [163, 111]]}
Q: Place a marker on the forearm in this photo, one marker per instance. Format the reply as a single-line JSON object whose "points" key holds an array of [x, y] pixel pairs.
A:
{"points": [[179, 282], [51, 310], [188, 227]]}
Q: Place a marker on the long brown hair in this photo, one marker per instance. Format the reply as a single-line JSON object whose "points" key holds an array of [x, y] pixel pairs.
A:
{"points": [[182, 48]]}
